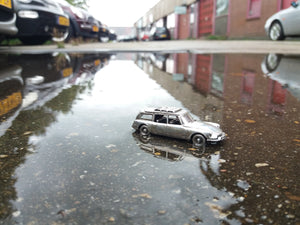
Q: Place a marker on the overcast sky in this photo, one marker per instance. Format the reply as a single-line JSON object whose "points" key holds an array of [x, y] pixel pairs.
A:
{"points": [[120, 13]]}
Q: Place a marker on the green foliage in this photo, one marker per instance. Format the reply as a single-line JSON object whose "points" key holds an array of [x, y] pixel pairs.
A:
{"points": [[11, 42], [79, 3], [216, 37]]}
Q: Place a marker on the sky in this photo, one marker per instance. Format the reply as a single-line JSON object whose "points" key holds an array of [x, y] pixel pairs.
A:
{"points": [[120, 13]]}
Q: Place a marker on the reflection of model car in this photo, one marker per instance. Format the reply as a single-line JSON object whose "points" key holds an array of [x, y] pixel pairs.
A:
{"points": [[285, 70], [171, 150], [39, 21], [177, 123], [8, 18], [284, 23]]}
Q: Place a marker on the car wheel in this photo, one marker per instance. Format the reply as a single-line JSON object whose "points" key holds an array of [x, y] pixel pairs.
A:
{"points": [[272, 62], [276, 31], [198, 140], [144, 130]]}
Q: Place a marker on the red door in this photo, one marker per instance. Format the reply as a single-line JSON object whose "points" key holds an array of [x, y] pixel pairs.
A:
{"points": [[206, 11]]}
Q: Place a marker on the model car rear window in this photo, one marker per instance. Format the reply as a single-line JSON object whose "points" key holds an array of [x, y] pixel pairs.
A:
{"points": [[144, 116]]}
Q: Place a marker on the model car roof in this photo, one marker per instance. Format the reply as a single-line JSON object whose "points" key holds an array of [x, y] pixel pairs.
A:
{"points": [[164, 109]]}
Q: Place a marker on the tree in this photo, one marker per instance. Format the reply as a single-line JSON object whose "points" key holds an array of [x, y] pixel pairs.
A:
{"points": [[79, 3]]}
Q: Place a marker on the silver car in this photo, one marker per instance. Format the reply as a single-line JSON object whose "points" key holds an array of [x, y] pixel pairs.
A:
{"points": [[177, 123], [7, 18], [284, 23]]}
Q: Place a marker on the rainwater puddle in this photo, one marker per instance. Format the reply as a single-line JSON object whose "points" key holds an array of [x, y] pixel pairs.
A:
{"points": [[68, 154]]}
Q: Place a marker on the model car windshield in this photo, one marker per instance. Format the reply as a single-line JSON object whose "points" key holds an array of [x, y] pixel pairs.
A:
{"points": [[187, 118]]}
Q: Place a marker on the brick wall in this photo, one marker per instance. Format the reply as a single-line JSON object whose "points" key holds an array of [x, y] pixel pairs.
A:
{"points": [[241, 26]]}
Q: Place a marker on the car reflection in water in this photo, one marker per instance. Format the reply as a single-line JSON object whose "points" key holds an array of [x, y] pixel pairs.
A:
{"points": [[27, 84], [285, 70], [11, 84]]}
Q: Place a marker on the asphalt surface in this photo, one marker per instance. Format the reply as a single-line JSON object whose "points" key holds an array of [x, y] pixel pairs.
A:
{"points": [[193, 46]]}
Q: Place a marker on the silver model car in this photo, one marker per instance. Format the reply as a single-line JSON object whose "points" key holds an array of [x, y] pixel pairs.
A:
{"points": [[284, 23], [177, 123]]}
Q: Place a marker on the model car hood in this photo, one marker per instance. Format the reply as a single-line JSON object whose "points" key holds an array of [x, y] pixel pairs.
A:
{"points": [[204, 126]]}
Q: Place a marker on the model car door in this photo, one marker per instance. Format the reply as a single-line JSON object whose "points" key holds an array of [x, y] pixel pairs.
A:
{"points": [[175, 128], [291, 21], [160, 125]]}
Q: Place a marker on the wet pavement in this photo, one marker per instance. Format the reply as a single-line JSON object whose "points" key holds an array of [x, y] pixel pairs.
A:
{"points": [[68, 154]]}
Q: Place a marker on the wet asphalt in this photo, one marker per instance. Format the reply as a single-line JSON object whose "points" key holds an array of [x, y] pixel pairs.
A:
{"points": [[68, 154]]}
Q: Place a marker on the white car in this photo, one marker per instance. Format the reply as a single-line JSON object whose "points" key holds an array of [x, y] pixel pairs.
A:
{"points": [[284, 23]]}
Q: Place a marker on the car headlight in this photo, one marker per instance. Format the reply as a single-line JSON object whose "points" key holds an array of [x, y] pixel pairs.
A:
{"points": [[25, 1], [28, 14]]}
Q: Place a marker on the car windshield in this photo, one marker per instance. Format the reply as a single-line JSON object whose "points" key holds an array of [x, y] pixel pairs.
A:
{"points": [[187, 118]]}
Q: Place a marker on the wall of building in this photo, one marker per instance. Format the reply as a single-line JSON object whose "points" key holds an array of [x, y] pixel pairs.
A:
{"points": [[242, 26], [231, 18]]}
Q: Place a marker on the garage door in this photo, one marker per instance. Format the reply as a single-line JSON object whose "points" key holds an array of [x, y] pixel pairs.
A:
{"points": [[206, 17]]}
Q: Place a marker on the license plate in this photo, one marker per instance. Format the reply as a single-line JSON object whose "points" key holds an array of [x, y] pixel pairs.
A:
{"points": [[63, 21], [95, 28], [97, 62], [6, 3], [67, 72], [163, 35], [10, 103]]}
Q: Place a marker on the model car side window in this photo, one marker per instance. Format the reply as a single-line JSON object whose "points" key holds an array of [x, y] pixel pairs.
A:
{"points": [[160, 118], [174, 120], [145, 116]]}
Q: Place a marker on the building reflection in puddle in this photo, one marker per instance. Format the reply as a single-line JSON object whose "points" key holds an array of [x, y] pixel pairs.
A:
{"points": [[255, 98]]}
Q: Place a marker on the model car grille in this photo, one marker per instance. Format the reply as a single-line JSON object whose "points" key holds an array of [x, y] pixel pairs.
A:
{"points": [[6, 16]]}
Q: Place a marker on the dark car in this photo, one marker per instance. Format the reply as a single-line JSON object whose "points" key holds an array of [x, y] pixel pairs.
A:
{"points": [[82, 24], [112, 35], [7, 18], [103, 35], [160, 33], [40, 20]]}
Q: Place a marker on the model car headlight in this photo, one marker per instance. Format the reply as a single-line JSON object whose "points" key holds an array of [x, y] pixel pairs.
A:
{"points": [[25, 1], [28, 14]]}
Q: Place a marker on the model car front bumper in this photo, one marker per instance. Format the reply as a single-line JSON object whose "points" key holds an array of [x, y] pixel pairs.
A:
{"points": [[220, 137]]}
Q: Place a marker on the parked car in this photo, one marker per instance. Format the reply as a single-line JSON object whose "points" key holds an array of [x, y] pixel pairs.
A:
{"points": [[103, 35], [284, 23], [278, 68], [82, 24], [160, 33], [7, 18], [112, 35], [177, 123], [145, 36], [39, 20]]}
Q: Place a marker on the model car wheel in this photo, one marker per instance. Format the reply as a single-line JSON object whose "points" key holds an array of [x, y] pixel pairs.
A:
{"points": [[144, 130], [276, 31], [198, 140]]}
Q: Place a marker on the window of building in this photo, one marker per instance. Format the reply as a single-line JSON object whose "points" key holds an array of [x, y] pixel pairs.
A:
{"points": [[222, 7], [254, 7]]}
